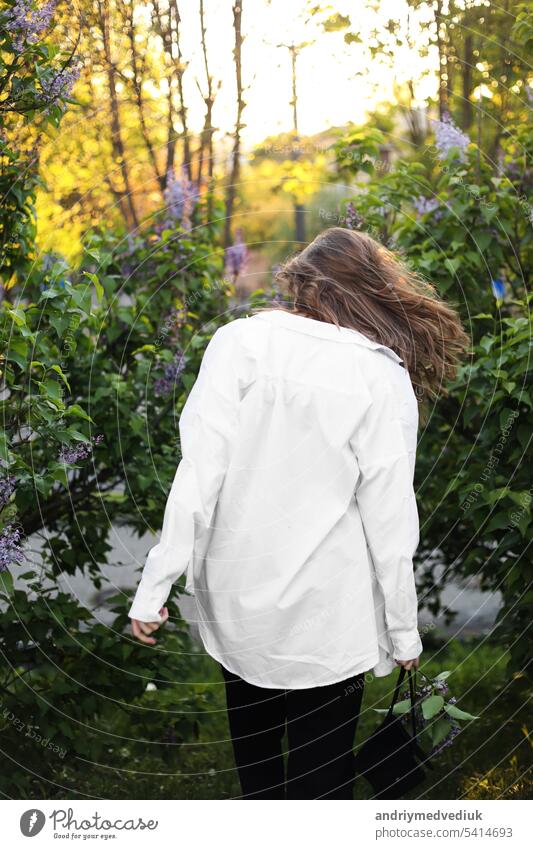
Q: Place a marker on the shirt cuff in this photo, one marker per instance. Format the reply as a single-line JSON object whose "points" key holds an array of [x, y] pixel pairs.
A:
{"points": [[146, 606], [406, 645]]}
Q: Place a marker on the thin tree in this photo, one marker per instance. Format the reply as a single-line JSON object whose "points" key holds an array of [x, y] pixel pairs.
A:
{"points": [[231, 189], [167, 25], [299, 209], [440, 23], [138, 74], [124, 194], [205, 152]]}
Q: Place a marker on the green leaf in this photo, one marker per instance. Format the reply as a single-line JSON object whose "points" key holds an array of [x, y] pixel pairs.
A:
{"points": [[453, 265], [61, 374], [443, 675], [431, 706], [60, 474], [60, 323], [457, 713], [144, 349], [76, 410], [6, 583], [97, 285], [4, 447], [77, 435], [52, 388], [48, 294], [188, 381], [402, 707], [439, 730], [81, 295], [17, 315], [17, 352]]}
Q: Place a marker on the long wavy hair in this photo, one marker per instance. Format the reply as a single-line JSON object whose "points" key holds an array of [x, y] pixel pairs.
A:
{"points": [[346, 278]]}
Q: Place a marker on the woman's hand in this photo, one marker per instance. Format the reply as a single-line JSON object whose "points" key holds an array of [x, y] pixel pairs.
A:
{"points": [[142, 630], [409, 664]]}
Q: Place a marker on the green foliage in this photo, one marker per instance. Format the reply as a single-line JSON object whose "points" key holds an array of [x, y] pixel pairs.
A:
{"points": [[474, 489], [435, 712], [73, 689], [83, 363], [77, 369], [33, 77], [477, 228], [96, 363], [475, 766]]}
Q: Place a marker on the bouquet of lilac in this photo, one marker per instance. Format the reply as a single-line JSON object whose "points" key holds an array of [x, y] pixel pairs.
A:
{"points": [[437, 716]]}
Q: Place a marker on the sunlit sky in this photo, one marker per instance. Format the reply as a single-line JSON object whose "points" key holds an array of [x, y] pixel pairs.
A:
{"points": [[336, 82]]}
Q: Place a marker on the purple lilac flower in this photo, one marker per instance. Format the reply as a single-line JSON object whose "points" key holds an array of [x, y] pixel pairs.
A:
{"points": [[165, 385], [10, 547], [441, 687], [236, 255], [448, 137], [448, 740], [424, 206], [498, 289], [7, 488], [60, 85], [353, 219], [180, 199], [71, 454], [26, 23]]}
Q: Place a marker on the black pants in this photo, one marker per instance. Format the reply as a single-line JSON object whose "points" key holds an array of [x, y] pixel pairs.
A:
{"points": [[320, 724]]}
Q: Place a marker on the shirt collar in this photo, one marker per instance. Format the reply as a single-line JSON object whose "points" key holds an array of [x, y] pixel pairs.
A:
{"points": [[324, 330]]}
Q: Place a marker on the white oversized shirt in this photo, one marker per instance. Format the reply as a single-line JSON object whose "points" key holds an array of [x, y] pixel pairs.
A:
{"points": [[292, 511]]}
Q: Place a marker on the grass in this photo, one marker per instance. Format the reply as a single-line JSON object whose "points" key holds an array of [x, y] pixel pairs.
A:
{"points": [[490, 758]]}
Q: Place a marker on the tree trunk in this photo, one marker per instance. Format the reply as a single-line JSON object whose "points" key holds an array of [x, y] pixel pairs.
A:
{"points": [[299, 209], [206, 138], [137, 81], [180, 68], [168, 22], [443, 76], [468, 59], [231, 190], [299, 223], [117, 143]]}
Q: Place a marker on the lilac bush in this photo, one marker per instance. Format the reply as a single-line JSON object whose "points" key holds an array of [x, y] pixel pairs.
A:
{"points": [[353, 219], [7, 488], [436, 713], [10, 547], [180, 199], [26, 22], [59, 86], [236, 256], [449, 137], [425, 206], [165, 385], [71, 454]]}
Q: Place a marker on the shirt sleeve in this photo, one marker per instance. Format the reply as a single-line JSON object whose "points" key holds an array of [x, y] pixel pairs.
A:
{"points": [[206, 428], [385, 447]]}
